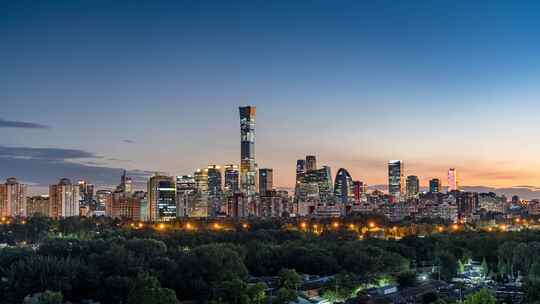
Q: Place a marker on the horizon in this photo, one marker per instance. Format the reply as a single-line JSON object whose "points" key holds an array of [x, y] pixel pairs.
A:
{"points": [[91, 88]]}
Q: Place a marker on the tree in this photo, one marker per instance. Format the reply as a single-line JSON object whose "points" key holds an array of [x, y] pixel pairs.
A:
{"points": [[47, 297], [484, 268], [484, 296], [289, 279], [285, 296], [147, 290], [447, 264], [460, 267]]}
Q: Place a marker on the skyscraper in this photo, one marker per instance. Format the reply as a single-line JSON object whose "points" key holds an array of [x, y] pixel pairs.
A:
{"points": [[214, 180], [231, 179], [248, 170], [126, 184], [453, 184], [395, 179], [343, 187], [63, 199], [162, 198], [266, 181], [300, 167], [413, 186], [12, 198], [104, 201], [435, 185], [311, 163], [86, 192]]}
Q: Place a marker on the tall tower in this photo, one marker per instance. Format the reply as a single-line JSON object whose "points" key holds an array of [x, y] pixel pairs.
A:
{"points": [[452, 180], [435, 185], [395, 179], [248, 170]]}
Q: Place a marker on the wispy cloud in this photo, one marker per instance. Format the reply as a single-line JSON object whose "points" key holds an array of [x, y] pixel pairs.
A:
{"points": [[21, 124], [128, 141], [43, 166]]}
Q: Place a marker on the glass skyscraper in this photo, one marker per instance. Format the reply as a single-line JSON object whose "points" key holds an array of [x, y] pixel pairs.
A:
{"points": [[395, 179], [248, 170], [343, 187]]}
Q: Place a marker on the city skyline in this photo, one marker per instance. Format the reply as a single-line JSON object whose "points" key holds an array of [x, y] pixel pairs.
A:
{"points": [[350, 85]]}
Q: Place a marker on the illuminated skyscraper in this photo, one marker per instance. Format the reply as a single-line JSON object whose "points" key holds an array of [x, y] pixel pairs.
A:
{"points": [[63, 199], [231, 179], [413, 186], [104, 201], [311, 163], [395, 179], [12, 198], [248, 170], [343, 187], [162, 198], [214, 180], [86, 192], [266, 181], [300, 167], [453, 184], [435, 185]]}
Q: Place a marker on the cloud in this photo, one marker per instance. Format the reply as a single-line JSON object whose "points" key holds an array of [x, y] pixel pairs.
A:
{"points": [[44, 153], [128, 141], [44, 166], [21, 124]]}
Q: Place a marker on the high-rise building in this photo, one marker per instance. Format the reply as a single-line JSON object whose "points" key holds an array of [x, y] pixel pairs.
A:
{"points": [[37, 205], [162, 198], [359, 188], [232, 179], [266, 181], [395, 179], [126, 184], [315, 184], [248, 168], [453, 184], [185, 193], [214, 180], [201, 180], [343, 187], [435, 185], [104, 201], [86, 192], [300, 167], [64, 199], [311, 162], [413, 186], [12, 198]]}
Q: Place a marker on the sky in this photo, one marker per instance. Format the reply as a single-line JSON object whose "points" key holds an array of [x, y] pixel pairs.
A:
{"points": [[88, 88]]}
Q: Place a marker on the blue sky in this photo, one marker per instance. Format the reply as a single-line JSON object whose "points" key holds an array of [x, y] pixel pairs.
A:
{"points": [[155, 86]]}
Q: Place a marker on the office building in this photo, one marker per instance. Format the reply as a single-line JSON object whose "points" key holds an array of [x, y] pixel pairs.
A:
{"points": [[343, 187], [435, 185], [162, 198], [311, 162], [104, 201], [232, 179], [64, 199], [395, 179], [248, 168], [266, 181], [214, 180], [413, 186], [86, 192]]}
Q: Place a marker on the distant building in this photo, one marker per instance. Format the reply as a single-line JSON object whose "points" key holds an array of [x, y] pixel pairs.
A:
{"points": [[37, 205], [13, 198], [232, 179], [453, 184], [396, 183], [413, 186], [248, 167], [266, 180], [300, 167], [86, 192], [104, 201], [311, 163], [64, 199], [126, 184], [162, 198], [214, 180], [343, 187], [435, 185]]}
